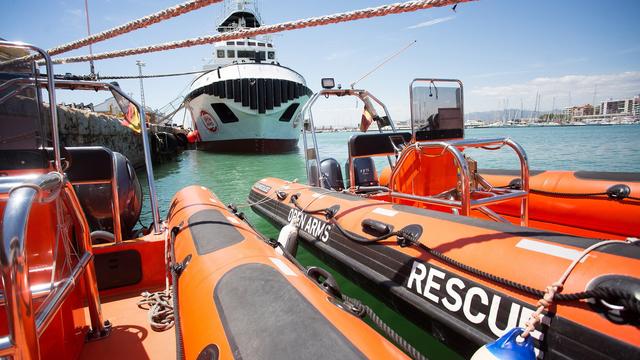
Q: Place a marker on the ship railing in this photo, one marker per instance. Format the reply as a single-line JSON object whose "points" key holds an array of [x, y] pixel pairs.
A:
{"points": [[485, 197], [311, 152], [24, 323]]}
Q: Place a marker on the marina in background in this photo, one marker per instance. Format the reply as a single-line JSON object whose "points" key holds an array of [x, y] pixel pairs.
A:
{"points": [[465, 217]]}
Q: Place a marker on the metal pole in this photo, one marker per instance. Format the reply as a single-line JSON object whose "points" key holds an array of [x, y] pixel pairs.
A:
{"points": [[91, 282], [91, 67], [15, 274], [307, 109], [524, 175], [140, 64]]}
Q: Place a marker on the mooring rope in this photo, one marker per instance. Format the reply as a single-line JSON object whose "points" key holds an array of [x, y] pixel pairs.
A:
{"points": [[396, 8], [552, 291], [140, 23], [125, 77]]}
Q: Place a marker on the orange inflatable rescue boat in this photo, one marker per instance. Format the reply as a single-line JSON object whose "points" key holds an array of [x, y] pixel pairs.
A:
{"points": [[73, 265], [465, 254], [469, 280], [238, 298], [583, 203]]}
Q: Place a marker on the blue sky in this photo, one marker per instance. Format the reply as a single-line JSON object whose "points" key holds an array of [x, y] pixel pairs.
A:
{"points": [[501, 49]]}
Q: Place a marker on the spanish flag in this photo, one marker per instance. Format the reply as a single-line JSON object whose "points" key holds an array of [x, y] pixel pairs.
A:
{"points": [[130, 112], [132, 119], [366, 119]]}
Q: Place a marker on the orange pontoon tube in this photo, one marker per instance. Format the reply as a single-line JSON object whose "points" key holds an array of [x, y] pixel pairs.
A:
{"points": [[238, 298]]}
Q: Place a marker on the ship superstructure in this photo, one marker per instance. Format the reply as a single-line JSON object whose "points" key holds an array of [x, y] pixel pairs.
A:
{"points": [[247, 102]]}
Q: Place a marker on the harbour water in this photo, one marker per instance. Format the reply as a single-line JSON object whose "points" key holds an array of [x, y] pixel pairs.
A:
{"points": [[230, 177]]}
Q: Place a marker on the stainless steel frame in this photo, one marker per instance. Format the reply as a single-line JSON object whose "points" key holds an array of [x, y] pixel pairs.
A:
{"points": [[308, 125], [25, 324], [92, 85], [466, 203], [432, 81], [52, 96]]}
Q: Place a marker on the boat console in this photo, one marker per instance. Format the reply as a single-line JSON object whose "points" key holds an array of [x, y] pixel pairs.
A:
{"points": [[427, 167]]}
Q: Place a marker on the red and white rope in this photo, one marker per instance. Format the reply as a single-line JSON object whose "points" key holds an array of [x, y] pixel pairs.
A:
{"points": [[143, 22], [384, 10]]}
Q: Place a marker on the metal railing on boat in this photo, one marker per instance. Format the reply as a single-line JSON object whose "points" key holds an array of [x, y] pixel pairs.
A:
{"points": [[466, 202], [24, 323]]}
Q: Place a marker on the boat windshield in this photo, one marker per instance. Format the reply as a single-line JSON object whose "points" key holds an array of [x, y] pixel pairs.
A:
{"points": [[21, 112], [436, 109]]}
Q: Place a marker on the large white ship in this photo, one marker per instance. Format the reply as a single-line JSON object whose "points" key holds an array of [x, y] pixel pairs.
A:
{"points": [[247, 102]]}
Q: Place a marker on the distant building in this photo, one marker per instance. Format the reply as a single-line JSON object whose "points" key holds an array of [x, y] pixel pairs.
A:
{"points": [[620, 107], [109, 106], [636, 106], [597, 110], [574, 111]]}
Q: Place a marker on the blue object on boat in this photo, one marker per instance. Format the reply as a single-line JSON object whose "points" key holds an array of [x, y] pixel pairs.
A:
{"points": [[507, 347]]}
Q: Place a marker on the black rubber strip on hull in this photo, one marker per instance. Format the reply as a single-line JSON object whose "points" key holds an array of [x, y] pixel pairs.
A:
{"points": [[212, 231]]}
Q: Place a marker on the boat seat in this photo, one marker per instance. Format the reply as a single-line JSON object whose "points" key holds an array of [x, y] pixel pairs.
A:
{"points": [[362, 145], [90, 163], [441, 134]]}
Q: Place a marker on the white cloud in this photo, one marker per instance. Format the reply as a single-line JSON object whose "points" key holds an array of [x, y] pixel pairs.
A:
{"points": [[340, 54], [431, 22], [75, 12], [576, 89]]}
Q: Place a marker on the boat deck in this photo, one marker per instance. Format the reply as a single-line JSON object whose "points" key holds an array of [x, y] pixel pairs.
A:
{"points": [[131, 336]]}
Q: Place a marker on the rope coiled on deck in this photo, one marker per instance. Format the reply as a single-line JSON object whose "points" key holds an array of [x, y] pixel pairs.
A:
{"points": [[160, 309]]}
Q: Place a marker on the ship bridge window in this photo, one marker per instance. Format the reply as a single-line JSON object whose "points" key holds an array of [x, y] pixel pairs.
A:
{"points": [[272, 55], [220, 53], [269, 45], [251, 43], [240, 43], [225, 114], [230, 43], [261, 44], [231, 53], [246, 54]]}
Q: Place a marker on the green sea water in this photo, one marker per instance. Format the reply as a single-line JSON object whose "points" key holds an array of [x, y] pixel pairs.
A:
{"points": [[230, 177]]}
